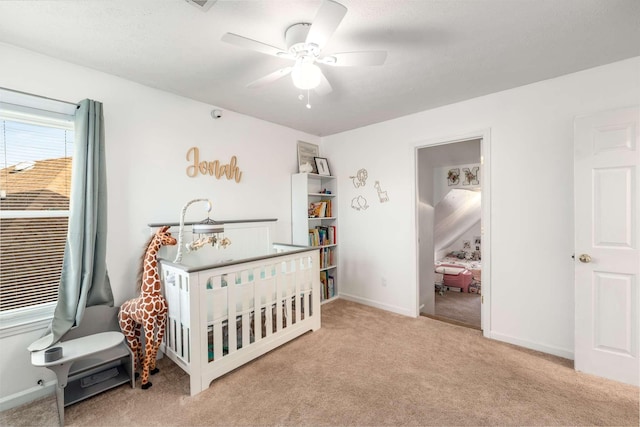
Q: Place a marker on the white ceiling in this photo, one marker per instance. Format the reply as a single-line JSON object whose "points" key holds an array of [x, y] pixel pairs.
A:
{"points": [[459, 153], [439, 52]]}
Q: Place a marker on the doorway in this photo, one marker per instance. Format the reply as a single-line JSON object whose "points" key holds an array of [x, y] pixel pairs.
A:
{"points": [[452, 230]]}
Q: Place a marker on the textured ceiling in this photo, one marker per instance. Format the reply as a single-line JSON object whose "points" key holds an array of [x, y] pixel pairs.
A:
{"points": [[439, 52]]}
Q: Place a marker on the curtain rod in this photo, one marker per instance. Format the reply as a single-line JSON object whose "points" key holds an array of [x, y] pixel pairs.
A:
{"points": [[39, 96]]}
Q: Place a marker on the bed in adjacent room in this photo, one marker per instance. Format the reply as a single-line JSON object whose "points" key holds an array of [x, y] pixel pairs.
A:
{"points": [[471, 271]]}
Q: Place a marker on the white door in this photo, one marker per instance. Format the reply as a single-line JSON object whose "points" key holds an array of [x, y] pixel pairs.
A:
{"points": [[607, 259]]}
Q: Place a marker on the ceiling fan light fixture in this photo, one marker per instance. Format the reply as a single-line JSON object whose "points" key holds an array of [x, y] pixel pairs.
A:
{"points": [[304, 43], [306, 75]]}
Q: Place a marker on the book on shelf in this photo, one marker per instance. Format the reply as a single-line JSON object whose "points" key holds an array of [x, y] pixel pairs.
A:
{"points": [[321, 209], [322, 236], [326, 257], [328, 211], [327, 286], [314, 237], [323, 285], [317, 210], [331, 291]]}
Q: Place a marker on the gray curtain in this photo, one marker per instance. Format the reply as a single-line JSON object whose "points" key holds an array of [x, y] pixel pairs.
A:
{"points": [[84, 281]]}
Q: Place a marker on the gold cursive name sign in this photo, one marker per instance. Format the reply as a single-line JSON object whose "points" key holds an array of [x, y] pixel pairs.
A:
{"points": [[215, 168]]}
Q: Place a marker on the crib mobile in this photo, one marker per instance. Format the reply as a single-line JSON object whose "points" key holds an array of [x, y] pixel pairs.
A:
{"points": [[209, 232]]}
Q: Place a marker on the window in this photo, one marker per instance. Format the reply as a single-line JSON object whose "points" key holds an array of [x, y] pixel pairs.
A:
{"points": [[35, 185]]}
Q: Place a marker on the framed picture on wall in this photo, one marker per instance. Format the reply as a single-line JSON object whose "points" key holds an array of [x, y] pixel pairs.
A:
{"points": [[453, 176], [306, 154], [471, 176], [322, 166]]}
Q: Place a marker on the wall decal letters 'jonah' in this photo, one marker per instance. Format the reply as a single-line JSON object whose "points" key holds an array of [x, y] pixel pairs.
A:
{"points": [[214, 168]]}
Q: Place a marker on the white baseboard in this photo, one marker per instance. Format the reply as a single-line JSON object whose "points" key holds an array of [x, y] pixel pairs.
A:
{"points": [[29, 395], [333, 298], [364, 301], [556, 351]]}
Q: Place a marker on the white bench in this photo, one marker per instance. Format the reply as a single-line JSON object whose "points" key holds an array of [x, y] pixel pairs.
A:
{"points": [[91, 363]]}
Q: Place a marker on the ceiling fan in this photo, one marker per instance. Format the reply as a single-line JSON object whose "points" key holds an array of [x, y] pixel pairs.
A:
{"points": [[304, 43]]}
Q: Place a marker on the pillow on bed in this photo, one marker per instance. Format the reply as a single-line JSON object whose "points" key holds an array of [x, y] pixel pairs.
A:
{"points": [[454, 271]]}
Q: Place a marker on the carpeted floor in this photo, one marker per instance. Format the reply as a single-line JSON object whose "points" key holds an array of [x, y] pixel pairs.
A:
{"points": [[366, 367], [459, 306]]}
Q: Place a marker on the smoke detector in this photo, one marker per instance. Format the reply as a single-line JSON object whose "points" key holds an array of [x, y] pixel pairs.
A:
{"points": [[203, 5]]}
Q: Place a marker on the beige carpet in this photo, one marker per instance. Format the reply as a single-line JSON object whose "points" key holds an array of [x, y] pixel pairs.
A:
{"points": [[459, 306], [366, 367]]}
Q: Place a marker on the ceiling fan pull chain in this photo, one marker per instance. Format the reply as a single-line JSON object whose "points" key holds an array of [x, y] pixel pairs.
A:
{"points": [[308, 100]]}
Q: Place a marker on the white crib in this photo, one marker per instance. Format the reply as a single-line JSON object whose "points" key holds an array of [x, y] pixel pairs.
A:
{"points": [[224, 315]]}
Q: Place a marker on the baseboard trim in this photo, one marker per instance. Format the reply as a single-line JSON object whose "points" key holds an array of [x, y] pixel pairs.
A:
{"points": [[556, 351], [29, 395], [376, 304]]}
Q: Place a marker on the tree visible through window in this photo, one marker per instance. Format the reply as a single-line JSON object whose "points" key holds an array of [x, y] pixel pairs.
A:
{"points": [[35, 186]]}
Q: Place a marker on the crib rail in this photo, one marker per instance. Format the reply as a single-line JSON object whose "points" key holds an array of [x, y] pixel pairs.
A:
{"points": [[220, 318]]}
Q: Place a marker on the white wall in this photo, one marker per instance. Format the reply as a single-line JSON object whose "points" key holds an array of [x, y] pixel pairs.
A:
{"points": [[377, 250], [531, 132], [148, 133]]}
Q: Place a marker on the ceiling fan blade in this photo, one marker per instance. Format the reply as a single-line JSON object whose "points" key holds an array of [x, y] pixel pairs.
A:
{"points": [[325, 23], [246, 43], [324, 87], [355, 59], [270, 78]]}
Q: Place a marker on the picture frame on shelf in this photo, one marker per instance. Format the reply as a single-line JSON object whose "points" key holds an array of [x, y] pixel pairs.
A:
{"points": [[322, 166], [307, 152]]}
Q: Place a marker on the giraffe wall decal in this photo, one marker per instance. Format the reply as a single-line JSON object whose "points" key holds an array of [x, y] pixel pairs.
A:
{"points": [[148, 312]]}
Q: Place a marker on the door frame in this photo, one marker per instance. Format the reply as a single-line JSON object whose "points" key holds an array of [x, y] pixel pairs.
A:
{"points": [[485, 174]]}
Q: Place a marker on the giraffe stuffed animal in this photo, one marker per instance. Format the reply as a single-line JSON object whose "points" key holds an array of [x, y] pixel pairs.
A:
{"points": [[148, 312]]}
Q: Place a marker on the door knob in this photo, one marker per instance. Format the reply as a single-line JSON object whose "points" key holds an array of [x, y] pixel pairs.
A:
{"points": [[585, 258]]}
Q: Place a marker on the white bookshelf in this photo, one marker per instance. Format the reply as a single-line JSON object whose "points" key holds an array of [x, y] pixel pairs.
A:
{"points": [[308, 188]]}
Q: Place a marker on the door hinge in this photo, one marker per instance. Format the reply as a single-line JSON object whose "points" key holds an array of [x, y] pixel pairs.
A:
{"points": [[482, 299]]}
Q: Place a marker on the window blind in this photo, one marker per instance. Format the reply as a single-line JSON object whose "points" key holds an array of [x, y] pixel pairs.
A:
{"points": [[35, 186], [31, 254]]}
